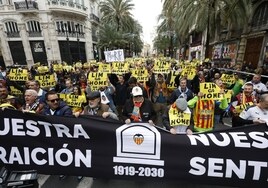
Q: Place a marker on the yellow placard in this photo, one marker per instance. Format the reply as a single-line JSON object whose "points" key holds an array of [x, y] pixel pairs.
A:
{"points": [[140, 74], [47, 80], [161, 67], [67, 68], [120, 67], [211, 91], [105, 67], [190, 73], [75, 100], [172, 84], [178, 118], [78, 65], [15, 91], [97, 80], [228, 94], [240, 108], [228, 79], [57, 67], [43, 69], [18, 74], [62, 96], [86, 65]]}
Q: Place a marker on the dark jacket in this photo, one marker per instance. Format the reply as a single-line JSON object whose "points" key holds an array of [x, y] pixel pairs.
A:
{"points": [[177, 93], [62, 110], [146, 110]]}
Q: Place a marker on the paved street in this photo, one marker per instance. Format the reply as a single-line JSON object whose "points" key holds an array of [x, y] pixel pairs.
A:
{"points": [[46, 181]]}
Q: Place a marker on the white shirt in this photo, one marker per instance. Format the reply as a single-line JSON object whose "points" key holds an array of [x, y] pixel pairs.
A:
{"points": [[254, 113]]}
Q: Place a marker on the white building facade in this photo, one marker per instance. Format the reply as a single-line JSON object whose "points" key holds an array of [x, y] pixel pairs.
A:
{"points": [[48, 31]]}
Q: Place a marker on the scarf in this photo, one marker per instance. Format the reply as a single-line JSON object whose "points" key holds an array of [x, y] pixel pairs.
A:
{"points": [[183, 93], [135, 116]]}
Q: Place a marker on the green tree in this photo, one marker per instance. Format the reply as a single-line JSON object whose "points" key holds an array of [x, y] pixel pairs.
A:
{"points": [[118, 13]]}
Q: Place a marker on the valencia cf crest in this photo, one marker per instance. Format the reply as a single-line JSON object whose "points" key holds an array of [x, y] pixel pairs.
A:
{"points": [[138, 139]]}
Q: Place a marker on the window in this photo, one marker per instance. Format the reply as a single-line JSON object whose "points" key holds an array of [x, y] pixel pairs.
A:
{"points": [[11, 27], [260, 18], [33, 26]]}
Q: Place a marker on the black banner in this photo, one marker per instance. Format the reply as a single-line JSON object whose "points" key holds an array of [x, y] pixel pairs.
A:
{"points": [[97, 147]]}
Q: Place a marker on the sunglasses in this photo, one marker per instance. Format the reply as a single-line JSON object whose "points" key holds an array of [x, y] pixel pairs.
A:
{"points": [[54, 100]]}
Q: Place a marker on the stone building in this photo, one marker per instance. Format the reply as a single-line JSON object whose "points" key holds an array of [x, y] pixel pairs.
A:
{"points": [[48, 31]]}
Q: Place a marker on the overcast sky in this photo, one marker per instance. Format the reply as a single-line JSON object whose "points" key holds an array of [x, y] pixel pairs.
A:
{"points": [[146, 12]]}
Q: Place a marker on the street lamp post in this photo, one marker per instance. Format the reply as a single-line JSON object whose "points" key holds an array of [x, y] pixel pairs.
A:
{"points": [[78, 41], [68, 42]]}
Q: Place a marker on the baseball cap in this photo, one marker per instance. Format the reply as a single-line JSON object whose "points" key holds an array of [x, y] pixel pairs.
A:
{"points": [[136, 91], [181, 104]]}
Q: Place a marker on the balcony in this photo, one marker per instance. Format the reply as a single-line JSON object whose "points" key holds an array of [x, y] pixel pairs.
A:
{"points": [[69, 7], [71, 35], [13, 34], [26, 6], [94, 18], [34, 34]]}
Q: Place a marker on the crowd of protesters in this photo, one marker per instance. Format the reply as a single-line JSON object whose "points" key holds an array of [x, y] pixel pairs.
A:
{"points": [[128, 100]]}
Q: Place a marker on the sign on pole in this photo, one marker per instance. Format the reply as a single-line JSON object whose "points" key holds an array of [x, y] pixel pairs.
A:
{"points": [[115, 55]]}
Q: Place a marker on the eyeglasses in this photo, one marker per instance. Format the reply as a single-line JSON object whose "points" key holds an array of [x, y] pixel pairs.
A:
{"points": [[53, 100]]}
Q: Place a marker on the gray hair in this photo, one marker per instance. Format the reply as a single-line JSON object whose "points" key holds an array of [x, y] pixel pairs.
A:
{"points": [[32, 92]]}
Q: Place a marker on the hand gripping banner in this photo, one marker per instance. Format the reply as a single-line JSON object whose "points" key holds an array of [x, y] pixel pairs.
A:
{"points": [[96, 147]]}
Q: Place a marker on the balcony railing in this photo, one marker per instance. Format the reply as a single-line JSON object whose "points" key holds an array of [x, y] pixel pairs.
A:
{"points": [[13, 34], [67, 4], [95, 18], [72, 35], [26, 5], [34, 34]]}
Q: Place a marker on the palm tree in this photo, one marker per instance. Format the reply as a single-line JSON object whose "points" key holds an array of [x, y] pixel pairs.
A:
{"points": [[117, 12]]}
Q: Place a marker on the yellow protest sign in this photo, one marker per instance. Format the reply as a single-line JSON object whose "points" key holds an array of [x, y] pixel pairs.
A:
{"points": [[240, 108], [228, 79], [57, 67], [86, 65], [105, 67], [97, 80], [140, 74], [172, 84], [161, 67], [47, 80], [75, 100], [15, 91], [43, 69], [211, 91], [120, 67], [190, 73], [228, 94], [67, 68], [78, 65], [18, 74], [178, 118], [62, 96]]}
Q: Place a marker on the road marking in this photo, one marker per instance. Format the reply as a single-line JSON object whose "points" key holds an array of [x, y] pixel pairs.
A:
{"points": [[85, 182], [42, 179]]}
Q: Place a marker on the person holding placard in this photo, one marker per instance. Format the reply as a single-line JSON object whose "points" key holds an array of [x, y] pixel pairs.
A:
{"points": [[177, 118], [243, 100], [254, 114], [203, 111]]}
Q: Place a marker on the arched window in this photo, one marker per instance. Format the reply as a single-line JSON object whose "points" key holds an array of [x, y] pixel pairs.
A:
{"points": [[260, 18], [34, 29], [12, 29]]}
